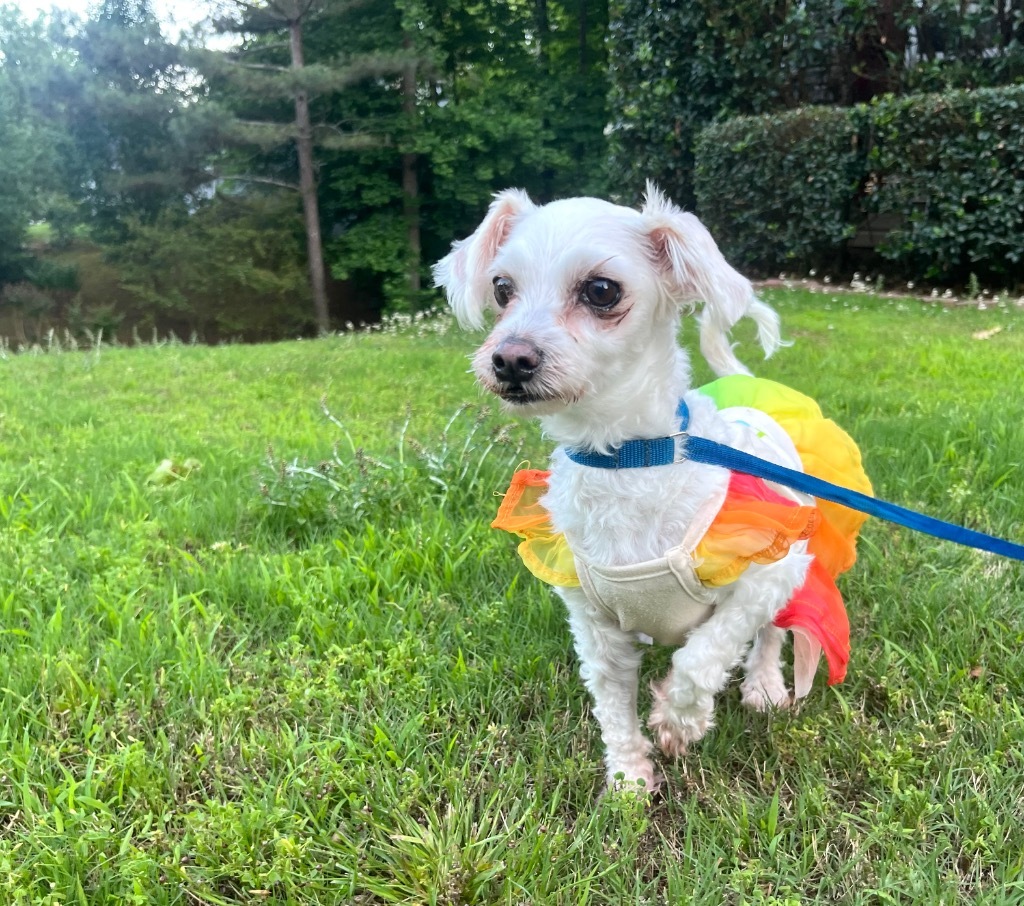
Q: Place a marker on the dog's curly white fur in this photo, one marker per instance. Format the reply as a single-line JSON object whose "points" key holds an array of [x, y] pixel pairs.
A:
{"points": [[587, 298]]}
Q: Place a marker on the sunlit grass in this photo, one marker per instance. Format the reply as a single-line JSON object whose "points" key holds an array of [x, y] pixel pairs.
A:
{"points": [[308, 672]]}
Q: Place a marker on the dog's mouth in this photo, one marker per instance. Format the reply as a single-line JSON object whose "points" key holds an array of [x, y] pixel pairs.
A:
{"points": [[518, 394]]}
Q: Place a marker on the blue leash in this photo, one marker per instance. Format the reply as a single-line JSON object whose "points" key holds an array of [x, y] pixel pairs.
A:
{"points": [[662, 451], [710, 453]]}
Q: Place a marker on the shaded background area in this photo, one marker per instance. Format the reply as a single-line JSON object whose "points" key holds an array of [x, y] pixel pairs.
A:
{"points": [[294, 166]]}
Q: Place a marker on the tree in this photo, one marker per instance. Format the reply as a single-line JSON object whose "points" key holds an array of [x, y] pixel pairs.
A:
{"points": [[16, 198], [393, 122], [231, 268], [410, 174], [497, 104], [256, 78], [132, 159], [29, 158]]}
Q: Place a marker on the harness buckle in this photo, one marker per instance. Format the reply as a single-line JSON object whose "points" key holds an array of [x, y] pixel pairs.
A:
{"points": [[681, 447]]}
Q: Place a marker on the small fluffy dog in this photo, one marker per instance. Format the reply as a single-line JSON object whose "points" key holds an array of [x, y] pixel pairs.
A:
{"points": [[586, 298]]}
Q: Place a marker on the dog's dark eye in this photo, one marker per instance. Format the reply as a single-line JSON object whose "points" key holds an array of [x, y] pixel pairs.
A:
{"points": [[601, 293], [503, 291]]}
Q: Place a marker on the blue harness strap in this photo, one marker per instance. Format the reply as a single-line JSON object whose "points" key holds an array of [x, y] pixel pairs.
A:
{"points": [[662, 451]]}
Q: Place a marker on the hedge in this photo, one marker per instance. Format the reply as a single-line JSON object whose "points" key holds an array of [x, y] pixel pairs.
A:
{"points": [[786, 192], [676, 66], [776, 190]]}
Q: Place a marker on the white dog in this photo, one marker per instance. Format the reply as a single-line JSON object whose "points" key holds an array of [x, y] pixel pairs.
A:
{"points": [[587, 298]]}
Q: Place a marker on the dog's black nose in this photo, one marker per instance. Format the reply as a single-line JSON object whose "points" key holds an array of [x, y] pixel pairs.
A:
{"points": [[515, 361]]}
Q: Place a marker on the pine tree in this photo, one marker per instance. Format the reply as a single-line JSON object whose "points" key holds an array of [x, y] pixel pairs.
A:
{"points": [[272, 90], [131, 160]]}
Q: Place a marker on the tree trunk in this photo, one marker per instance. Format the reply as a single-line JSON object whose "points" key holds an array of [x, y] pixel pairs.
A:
{"points": [[542, 25], [410, 181], [307, 188]]}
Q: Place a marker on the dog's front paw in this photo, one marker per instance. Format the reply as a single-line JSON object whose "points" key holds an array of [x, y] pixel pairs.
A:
{"points": [[765, 694], [675, 734], [675, 728], [637, 777]]}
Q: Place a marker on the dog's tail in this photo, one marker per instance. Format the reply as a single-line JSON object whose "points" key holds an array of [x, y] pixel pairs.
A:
{"points": [[767, 321]]}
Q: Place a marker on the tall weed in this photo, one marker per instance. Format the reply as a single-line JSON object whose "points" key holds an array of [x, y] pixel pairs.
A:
{"points": [[472, 457]]}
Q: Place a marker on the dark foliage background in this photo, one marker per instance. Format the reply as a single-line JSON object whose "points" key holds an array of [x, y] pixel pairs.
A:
{"points": [[780, 191], [677, 66], [305, 177]]}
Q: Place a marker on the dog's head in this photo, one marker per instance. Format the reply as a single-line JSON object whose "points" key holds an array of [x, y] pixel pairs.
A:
{"points": [[586, 293]]}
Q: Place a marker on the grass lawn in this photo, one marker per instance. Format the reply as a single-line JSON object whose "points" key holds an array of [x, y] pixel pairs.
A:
{"points": [[308, 672]]}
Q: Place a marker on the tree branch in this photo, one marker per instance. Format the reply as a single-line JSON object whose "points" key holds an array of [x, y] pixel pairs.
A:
{"points": [[260, 48], [250, 7], [262, 67], [263, 180]]}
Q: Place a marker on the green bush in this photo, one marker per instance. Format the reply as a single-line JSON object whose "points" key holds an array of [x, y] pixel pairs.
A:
{"points": [[233, 268], [788, 191], [951, 166], [777, 190], [676, 66]]}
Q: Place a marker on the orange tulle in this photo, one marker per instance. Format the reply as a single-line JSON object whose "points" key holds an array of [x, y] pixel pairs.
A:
{"points": [[543, 550], [754, 525]]}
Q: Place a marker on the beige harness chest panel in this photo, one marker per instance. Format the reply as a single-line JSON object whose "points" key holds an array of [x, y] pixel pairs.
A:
{"points": [[660, 598]]}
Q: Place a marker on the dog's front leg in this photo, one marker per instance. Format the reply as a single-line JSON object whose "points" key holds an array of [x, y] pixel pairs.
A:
{"points": [[609, 665], [684, 701]]}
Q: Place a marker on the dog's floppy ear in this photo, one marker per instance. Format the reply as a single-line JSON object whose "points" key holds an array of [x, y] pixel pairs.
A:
{"points": [[464, 271], [686, 253]]}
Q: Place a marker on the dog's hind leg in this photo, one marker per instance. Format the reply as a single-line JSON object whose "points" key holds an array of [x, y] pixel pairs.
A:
{"points": [[684, 701], [609, 665], [764, 686]]}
